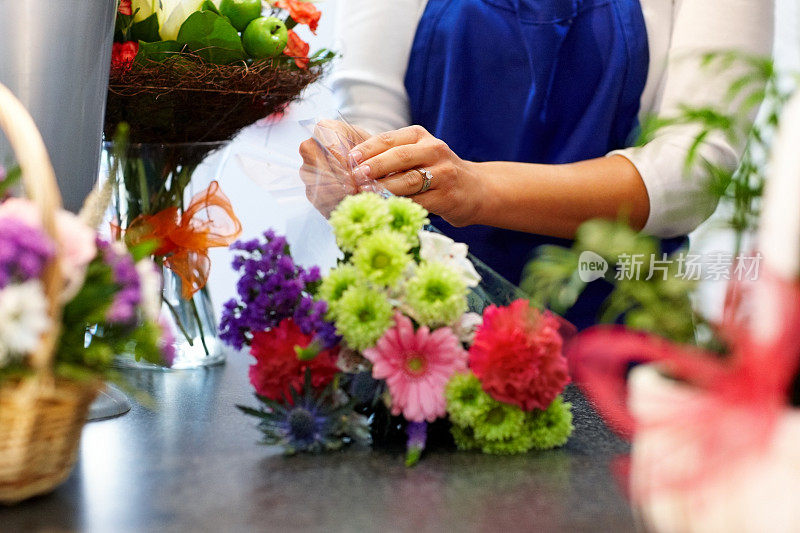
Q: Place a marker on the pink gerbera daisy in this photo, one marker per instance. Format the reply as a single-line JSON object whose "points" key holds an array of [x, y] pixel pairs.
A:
{"points": [[417, 366]]}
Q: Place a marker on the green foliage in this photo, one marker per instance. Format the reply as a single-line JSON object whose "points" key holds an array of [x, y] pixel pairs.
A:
{"points": [[212, 37], [208, 5], [146, 30], [759, 84], [13, 177], [157, 51], [84, 318], [660, 305]]}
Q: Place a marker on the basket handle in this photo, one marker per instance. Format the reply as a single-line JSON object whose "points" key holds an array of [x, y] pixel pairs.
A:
{"points": [[39, 181]]}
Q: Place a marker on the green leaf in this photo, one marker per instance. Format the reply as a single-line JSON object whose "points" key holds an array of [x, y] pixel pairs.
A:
{"points": [[146, 30], [211, 37], [208, 5], [158, 51], [12, 178]]}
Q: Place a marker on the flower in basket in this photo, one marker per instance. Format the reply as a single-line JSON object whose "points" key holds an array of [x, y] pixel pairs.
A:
{"points": [[405, 339], [103, 295]]}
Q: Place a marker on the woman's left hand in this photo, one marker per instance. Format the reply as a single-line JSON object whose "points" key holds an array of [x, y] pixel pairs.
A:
{"points": [[393, 157]]}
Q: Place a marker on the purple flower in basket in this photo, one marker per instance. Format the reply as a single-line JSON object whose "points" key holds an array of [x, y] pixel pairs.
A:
{"points": [[24, 251], [123, 270], [272, 288]]}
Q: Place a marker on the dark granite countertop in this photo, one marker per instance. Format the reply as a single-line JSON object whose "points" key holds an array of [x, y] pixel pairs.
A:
{"points": [[194, 464]]}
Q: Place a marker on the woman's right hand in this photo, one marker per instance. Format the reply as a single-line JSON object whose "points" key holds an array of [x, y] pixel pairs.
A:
{"points": [[326, 171]]}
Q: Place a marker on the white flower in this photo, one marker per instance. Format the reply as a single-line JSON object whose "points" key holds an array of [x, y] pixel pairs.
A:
{"points": [[145, 9], [23, 316], [467, 326], [440, 248], [172, 14], [150, 288]]}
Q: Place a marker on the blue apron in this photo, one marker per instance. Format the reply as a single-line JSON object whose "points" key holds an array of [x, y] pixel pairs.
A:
{"points": [[535, 81]]}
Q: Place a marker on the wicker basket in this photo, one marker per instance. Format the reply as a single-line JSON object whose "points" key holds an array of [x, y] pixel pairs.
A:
{"points": [[41, 417]]}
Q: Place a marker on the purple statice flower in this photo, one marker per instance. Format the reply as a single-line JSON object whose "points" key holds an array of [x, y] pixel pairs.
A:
{"points": [[123, 272], [24, 251], [271, 288]]}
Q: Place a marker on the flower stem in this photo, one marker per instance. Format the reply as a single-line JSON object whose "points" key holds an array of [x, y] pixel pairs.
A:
{"points": [[178, 321], [199, 326], [143, 189]]}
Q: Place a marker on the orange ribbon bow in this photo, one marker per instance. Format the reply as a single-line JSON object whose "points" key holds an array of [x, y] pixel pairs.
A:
{"points": [[184, 240]]}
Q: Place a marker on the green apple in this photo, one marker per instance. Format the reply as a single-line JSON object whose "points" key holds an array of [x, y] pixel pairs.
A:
{"points": [[265, 37], [240, 12]]}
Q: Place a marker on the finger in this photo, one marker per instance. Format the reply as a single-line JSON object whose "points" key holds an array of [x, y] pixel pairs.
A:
{"points": [[397, 159], [404, 183], [384, 141], [333, 138]]}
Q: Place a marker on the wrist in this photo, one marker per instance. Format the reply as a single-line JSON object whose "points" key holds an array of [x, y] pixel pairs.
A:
{"points": [[482, 194]]}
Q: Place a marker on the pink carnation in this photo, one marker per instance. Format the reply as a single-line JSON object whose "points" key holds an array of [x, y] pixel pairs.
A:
{"points": [[417, 366], [517, 356]]}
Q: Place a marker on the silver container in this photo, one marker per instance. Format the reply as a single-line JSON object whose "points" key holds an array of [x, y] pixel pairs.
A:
{"points": [[55, 57]]}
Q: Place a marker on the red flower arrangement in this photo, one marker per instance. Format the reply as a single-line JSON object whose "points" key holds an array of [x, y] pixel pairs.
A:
{"points": [[517, 355], [278, 368]]}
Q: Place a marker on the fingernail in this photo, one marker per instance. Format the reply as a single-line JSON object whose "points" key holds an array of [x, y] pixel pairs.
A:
{"points": [[356, 156], [363, 170]]}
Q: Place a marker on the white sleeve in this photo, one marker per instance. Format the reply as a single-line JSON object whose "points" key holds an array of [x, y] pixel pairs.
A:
{"points": [[374, 38], [679, 203]]}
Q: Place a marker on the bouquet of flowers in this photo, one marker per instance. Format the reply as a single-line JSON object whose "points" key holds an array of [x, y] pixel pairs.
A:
{"points": [[186, 76], [110, 297], [387, 335]]}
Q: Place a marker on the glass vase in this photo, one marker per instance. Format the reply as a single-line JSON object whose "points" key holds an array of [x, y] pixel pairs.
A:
{"points": [[160, 189]]}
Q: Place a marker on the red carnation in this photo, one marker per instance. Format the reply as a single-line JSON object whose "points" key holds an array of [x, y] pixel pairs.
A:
{"points": [[298, 49], [277, 367], [125, 7], [302, 12], [517, 356], [123, 54]]}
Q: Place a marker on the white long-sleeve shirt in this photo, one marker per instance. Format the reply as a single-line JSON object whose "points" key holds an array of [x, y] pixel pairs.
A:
{"points": [[375, 38]]}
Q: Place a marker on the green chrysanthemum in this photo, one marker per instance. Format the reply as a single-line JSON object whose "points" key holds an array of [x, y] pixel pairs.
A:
{"points": [[466, 400], [363, 315], [358, 216], [511, 446], [437, 294], [382, 257], [501, 422], [552, 427], [463, 437], [408, 217], [334, 285]]}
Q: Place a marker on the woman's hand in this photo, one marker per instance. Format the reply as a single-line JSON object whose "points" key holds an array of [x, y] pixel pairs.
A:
{"points": [[393, 157], [326, 172]]}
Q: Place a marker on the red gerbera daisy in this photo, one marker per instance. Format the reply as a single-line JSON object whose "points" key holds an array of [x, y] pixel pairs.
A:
{"points": [[277, 367], [517, 356]]}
